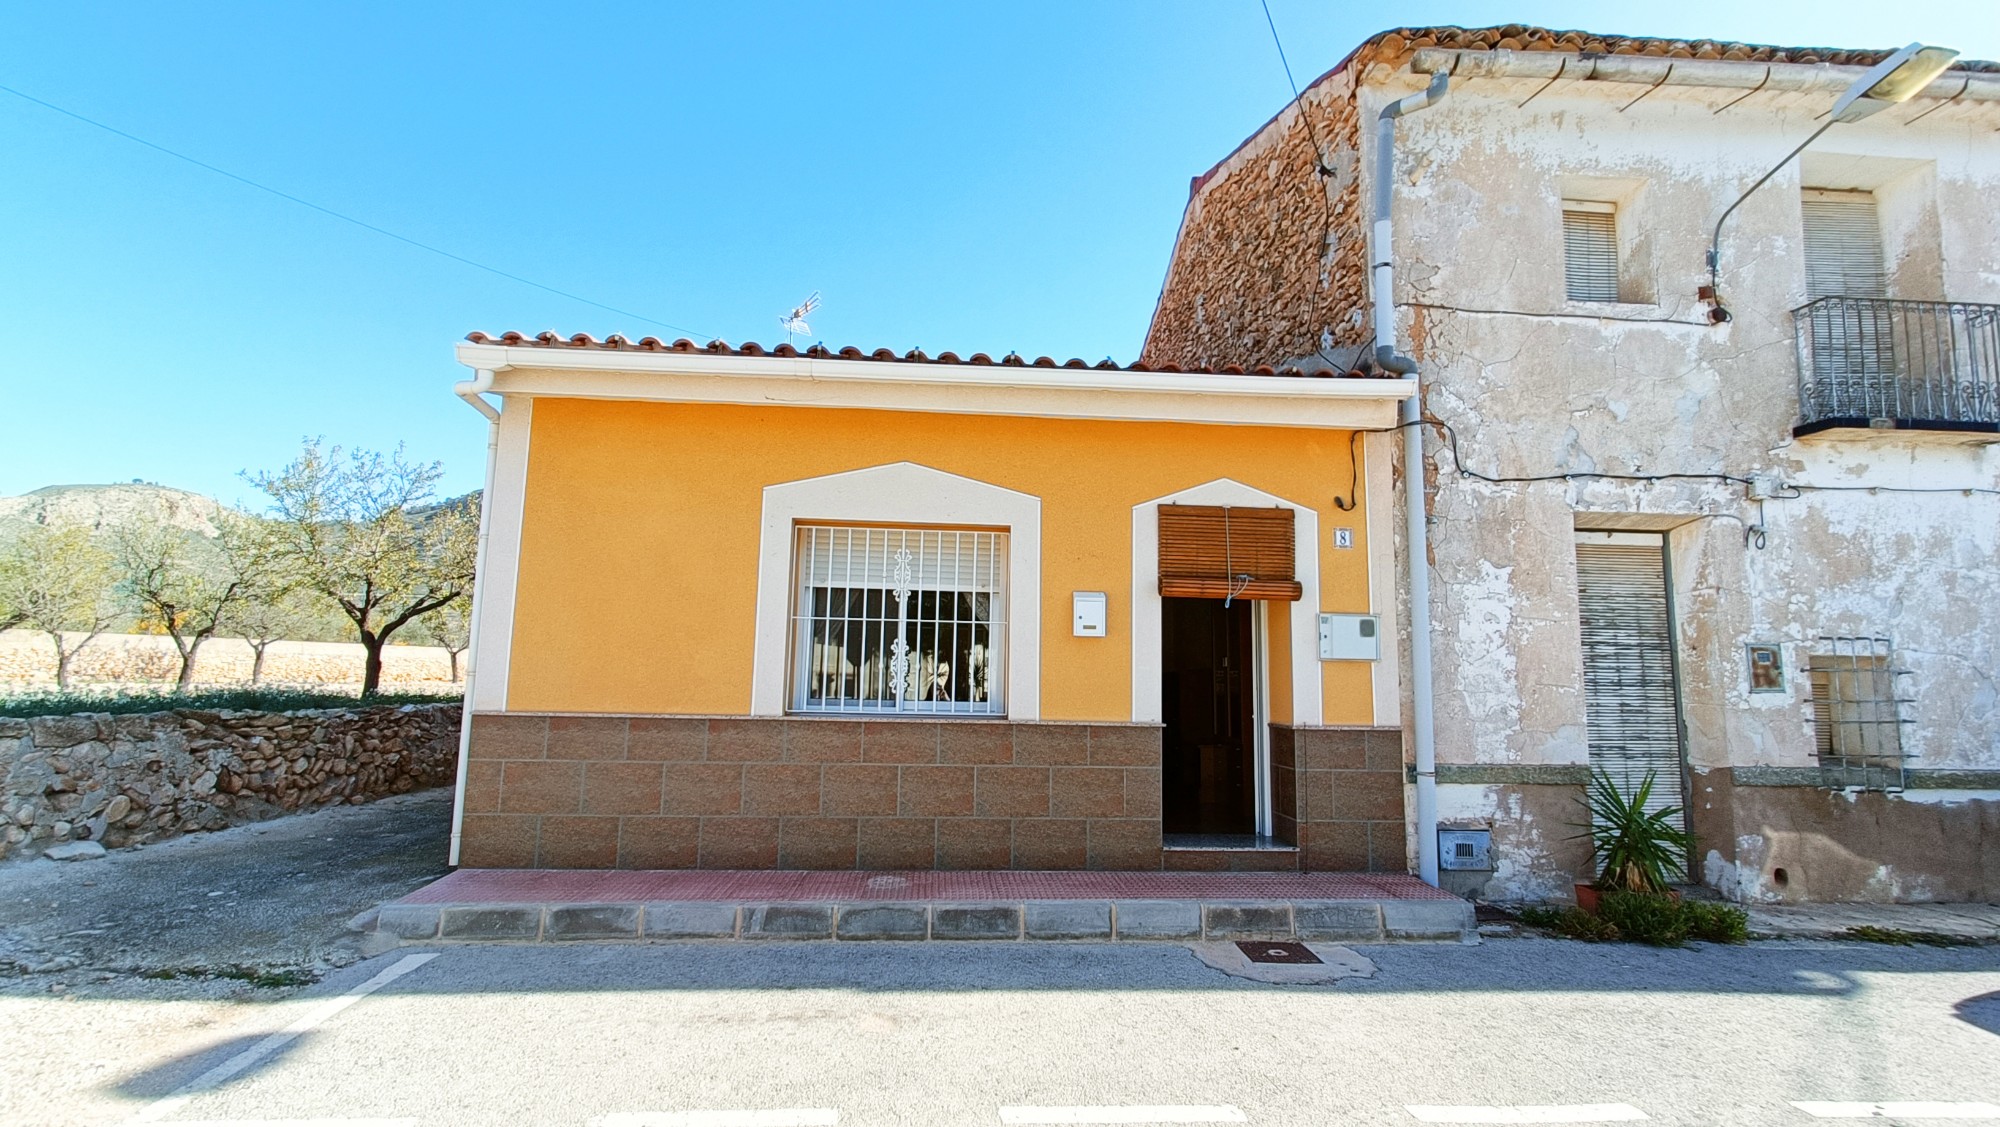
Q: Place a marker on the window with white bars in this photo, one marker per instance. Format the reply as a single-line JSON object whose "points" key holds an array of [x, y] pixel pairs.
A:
{"points": [[1590, 250], [1857, 716], [899, 620]]}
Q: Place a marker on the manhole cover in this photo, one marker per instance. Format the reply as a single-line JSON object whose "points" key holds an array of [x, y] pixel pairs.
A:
{"points": [[886, 882], [1276, 952]]}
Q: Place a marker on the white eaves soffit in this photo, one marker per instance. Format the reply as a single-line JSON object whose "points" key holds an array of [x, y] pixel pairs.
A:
{"points": [[961, 389]]}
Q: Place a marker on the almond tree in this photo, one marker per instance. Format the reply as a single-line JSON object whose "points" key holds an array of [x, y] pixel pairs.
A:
{"points": [[450, 628], [58, 580], [356, 530], [273, 611], [186, 583]]}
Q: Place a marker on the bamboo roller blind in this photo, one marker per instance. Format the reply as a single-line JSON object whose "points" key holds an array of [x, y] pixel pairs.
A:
{"points": [[1207, 551]]}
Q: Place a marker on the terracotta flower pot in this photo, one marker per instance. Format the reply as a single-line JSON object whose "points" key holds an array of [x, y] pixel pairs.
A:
{"points": [[1586, 897]]}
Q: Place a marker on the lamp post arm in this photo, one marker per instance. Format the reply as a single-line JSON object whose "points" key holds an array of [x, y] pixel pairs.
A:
{"points": [[1715, 242]]}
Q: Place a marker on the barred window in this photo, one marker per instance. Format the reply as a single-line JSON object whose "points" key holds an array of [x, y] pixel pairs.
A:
{"points": [[899, 620], [1590, 250], [1857, 716]]}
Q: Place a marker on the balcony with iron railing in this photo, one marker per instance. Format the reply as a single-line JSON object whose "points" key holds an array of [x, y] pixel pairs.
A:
{"points": [[1884, 364]]}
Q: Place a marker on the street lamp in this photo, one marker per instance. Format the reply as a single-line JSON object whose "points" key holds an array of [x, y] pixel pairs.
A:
{"points": [[1891, 82]]}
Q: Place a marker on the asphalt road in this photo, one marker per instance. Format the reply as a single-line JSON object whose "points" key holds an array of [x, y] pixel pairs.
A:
{"points": [[939, 1034], [203, 915]]}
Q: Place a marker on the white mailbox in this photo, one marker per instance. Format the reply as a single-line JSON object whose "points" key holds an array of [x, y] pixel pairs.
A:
{"points": [[1349, 637], [1088, 611]]}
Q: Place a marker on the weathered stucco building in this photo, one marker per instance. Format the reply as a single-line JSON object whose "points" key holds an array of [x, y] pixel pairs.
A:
{"points": [[1759, 556]]}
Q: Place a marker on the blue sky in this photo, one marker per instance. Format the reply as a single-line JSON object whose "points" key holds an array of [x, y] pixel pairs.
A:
{"points": [[990, 177]]}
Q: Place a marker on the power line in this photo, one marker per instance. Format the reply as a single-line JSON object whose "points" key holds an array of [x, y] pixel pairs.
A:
{"points": [[361, 223], [1318, 158], [1319, 161]]}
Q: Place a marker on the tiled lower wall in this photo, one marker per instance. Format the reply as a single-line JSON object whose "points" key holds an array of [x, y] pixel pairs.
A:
{"points": [[601, 792], [1337, 793]]}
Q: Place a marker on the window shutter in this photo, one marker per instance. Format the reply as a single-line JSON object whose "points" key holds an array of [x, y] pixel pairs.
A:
{"points": [[1632, 720], [1590, 251], [1207, 550], [1843, 245]]}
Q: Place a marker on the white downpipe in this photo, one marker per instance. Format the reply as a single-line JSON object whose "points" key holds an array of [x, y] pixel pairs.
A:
{"points": [[1416, 562], [473, 392]]}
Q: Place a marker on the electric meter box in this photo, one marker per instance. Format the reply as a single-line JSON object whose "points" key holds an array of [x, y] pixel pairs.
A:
{"points": [[1465, 850], [1350, 637]]}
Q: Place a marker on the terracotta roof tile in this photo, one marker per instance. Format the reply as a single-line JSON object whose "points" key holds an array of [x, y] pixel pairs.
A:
{"points": [[1521, 37], [616, 342]]}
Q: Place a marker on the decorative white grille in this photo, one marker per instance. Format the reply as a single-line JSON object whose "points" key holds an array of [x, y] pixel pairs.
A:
{"points": [[899, 620]]}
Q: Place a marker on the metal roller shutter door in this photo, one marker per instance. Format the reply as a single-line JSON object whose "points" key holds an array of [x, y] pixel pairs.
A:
{"points": [[1630, 699]]}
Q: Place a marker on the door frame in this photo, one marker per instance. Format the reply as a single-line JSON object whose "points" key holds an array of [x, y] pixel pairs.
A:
{"points": [[1665, 539], [1260, 719]]}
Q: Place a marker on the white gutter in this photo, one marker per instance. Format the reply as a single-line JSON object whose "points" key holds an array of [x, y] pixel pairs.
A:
{"points": [[473, 391], [1654, 70], [1416, 506]]}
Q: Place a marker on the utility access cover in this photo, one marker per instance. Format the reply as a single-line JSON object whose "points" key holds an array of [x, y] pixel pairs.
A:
{"points": [[1268, 952]]}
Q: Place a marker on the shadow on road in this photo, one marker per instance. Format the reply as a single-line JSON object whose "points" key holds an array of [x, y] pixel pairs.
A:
{"points": [[1520, 966], [164, 1078], [1982, 1011]]}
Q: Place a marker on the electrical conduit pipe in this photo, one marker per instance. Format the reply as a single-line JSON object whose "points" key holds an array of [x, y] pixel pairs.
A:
{"points": [[474, 391], [1416, 548]]}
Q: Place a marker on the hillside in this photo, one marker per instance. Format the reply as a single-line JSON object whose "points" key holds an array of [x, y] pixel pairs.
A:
{"points": [[109, 506]]}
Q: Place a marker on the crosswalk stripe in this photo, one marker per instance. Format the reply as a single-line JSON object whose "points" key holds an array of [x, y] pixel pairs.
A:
{"points": [[1125, 1113], [743, 1117], [1906, 1109], [1549, 1113]]}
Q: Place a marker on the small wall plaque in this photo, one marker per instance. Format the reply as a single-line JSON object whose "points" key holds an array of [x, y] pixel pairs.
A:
{"points": [[1767, 667]]}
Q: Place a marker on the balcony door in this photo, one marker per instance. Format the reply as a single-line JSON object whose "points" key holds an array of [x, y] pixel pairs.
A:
{"points": [[1853, 355]]}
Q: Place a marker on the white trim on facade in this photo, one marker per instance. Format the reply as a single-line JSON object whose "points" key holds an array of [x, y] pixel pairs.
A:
{"points": [[902, 493], [976, 389], [1146, 658], [1260, 742], [1379, 487], [502, 566]]}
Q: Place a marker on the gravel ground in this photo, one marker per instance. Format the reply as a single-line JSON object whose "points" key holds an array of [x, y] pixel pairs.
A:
{"points": [[244, 912]]}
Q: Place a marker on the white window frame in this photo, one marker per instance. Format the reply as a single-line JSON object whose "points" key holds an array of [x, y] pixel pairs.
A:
{"points": [[901, 493], [894, 567]]}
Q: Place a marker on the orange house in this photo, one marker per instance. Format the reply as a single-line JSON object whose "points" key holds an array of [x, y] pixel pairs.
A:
{"points": [[815, 610]]}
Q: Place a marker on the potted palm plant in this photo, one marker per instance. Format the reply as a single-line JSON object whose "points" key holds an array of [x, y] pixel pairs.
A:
{"points": [[1634, 849]]}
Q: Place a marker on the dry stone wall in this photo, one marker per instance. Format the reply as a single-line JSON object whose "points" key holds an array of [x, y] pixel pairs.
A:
{"points": [[138, 778], [1271, 253]]}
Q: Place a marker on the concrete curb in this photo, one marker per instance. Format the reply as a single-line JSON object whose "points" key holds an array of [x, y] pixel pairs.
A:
{"points": [[1347, 921]]}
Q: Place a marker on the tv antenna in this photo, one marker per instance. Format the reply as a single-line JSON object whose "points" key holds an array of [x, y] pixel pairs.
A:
{"points": [[795, 321]]}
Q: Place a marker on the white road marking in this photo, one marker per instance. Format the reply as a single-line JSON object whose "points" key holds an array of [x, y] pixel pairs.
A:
{"points": [[1125, 1113], [1910, 1109], [215, 1077], [764, 1117], [295, 1123], [1552, 1113]]}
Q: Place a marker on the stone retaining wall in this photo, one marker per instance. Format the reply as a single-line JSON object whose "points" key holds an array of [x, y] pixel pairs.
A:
{"points": [[136, 778]]}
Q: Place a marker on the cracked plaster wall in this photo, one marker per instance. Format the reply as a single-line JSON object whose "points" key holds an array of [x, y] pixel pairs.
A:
{"points": [[1537, 385]]}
